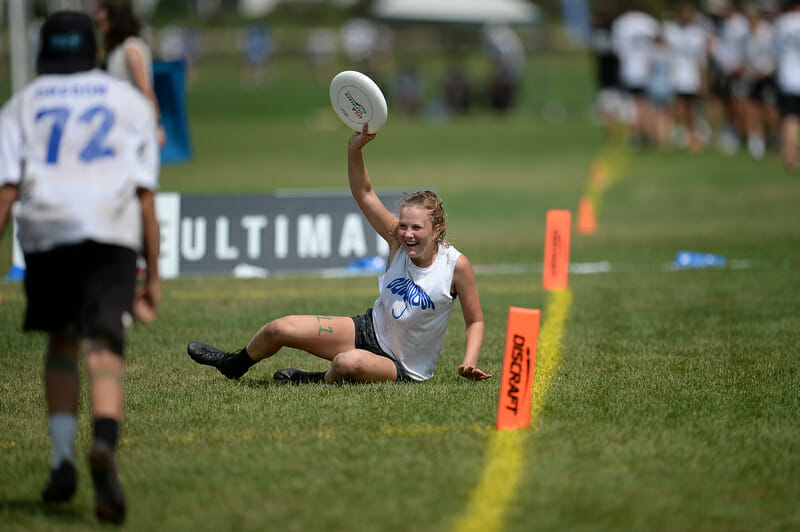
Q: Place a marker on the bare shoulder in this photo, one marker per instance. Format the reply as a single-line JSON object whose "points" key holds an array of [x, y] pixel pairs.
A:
{"points": [[463, 276]]}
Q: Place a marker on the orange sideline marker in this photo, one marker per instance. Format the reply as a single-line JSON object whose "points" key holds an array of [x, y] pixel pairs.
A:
{"points": [[556, 249], [587, 223], [519, 361]]}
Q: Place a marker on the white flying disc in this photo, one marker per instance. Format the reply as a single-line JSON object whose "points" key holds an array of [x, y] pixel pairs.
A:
{"points": [[358, 100]]}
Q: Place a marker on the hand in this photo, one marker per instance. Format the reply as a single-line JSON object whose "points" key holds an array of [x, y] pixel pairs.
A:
{"points": [[145, 303], [161, 135], [472, 373], [359, 139]]}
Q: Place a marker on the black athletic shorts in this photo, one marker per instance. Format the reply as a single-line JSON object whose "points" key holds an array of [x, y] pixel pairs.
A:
{"points": [[366, 340], [789, 104], [86, 289]]}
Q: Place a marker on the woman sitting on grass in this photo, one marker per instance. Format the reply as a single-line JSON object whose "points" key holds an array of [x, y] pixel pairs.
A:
{"points": [[401, 338]]}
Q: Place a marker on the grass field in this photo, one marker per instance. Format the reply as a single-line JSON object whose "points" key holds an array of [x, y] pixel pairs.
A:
{"points": [[670, 401]]}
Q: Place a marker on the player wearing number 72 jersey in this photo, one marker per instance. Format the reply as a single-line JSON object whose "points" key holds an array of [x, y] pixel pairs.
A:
{"points": [[79, 157]]}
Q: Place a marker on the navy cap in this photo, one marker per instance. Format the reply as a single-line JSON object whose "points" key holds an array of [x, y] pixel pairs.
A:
{"points": [[67, 44]]}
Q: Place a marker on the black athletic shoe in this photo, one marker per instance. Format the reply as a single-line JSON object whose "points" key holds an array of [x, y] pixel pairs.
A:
{"points": [[295, 376], [211, 356], [109, 500], [62, 484]]}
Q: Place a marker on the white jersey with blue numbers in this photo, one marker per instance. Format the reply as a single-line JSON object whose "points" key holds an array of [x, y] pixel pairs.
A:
{"points": [[78, 146], [413, 308]]}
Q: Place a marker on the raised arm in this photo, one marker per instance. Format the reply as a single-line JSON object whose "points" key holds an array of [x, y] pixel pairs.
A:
{"points": [[467, 289], [381, 219]]}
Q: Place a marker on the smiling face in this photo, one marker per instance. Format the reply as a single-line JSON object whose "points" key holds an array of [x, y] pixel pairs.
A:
{"points": [[417, 235]]}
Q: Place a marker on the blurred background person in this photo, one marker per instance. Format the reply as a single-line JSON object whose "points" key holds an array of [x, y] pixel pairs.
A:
{"points": [[659, 92], [127, 55], [759, 74], [506, 55], [410, 90], [787, 40], [321, 50], [609, 101], [687, 41], [255, 45], [632, 35], [458, 91], [728, 51]]}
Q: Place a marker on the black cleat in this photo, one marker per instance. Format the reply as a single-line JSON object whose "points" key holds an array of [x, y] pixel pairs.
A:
{"points": [[109, 500], [62, 484], [295, 376], [211, 356]]}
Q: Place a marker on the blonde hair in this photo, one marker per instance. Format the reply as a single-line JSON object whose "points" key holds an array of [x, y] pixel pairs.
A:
{"points": [[432, 203]]}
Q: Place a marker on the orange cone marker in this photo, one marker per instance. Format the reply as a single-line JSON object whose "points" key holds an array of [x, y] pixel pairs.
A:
{"points": [[587, 223], [519, 362], [556, 249]]}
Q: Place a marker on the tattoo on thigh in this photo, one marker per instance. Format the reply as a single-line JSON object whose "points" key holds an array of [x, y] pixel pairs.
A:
{"points": [[60, 363], [328, 329]]}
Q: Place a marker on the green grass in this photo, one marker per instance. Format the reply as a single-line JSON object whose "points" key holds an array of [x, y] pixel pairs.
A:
{"points": [[675, 406]]}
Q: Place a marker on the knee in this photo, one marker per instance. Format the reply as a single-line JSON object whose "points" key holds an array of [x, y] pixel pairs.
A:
{"points": [[279, 328], [347, 365]]}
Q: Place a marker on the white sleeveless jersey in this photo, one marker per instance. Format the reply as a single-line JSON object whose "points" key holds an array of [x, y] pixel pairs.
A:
{"points": [[632, 35], [118, 67], [413, 308], [787, 41], [687, 46], [78, 146]]}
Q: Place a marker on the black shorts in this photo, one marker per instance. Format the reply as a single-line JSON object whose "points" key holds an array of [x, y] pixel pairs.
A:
{"points": [[789, 104], [85, 289], [689, 97], [764, 91], [366, 340]]}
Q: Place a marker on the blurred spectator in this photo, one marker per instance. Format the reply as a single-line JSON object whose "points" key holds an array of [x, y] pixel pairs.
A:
{"points": [[410, 90], [609, 102], [659, 91], [759, 75], [787, 38], [321, 50], [255, 43], [688, 41], [359, 40], [728, 49], [457, 91], [632, 35], [127, 55], [171, 46], [506, 54], [176, 43]]}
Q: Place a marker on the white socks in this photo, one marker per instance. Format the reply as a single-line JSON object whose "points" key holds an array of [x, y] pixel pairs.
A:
{"points": [[62, 438]]}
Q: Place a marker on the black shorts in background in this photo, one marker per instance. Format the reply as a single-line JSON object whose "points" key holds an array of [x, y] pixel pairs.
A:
{"points": [[789, 104], [86, 289]]}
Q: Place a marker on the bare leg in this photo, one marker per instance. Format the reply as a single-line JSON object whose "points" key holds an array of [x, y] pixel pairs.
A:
{"points": [[62, 387], [61, 381], [789, 131], [105, 370], [362, 366], [323, 336]]}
